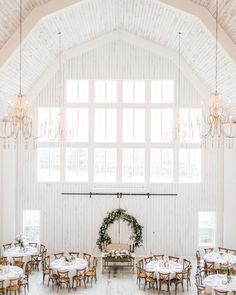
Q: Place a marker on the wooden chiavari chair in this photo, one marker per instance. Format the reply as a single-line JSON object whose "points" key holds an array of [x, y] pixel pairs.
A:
{"points": [[35, 262], [201, 290], [186, 264], [7, 246], [92, 272], [24, 281], [187, 275], [178, 280], [42, 248], [164, 279], [46, 267], [141, 274], [232, 251], [58, 255], [52, 278], [208, 250], [200, 262], [150, 280], [87, 257], [74, 254], [148, 259], [158, 256], [2, 289], [174, 258], [63, 279], [13, 287], [78, 278]]}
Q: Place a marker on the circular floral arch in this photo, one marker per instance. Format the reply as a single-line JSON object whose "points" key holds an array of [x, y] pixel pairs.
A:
{"points": [[113, 216]]}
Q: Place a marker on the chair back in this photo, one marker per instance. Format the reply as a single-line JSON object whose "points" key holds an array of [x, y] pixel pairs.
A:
{"points": [[63, 275], [200, 289], [20, 264], [158, 256], [3, 260], [164, 276], [223, 250], [81, 273], [17, 258], [87, 257], [33, 244], [209, 268], [42, 248], [46, 263], [186, 264], [58, 255], [174, 258], [198, 256], [7, 246], [148, 259], [208, 250], [220, 292], [74, 254]]}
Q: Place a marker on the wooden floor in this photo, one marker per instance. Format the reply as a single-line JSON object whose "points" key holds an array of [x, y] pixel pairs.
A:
{"points": [[116, 281]]}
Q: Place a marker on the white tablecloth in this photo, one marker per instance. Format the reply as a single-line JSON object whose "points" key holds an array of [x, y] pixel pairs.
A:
{"points": [[157, 266], [220, 258], [16, 251], [62, 265], [10, 272], [219, 282]]}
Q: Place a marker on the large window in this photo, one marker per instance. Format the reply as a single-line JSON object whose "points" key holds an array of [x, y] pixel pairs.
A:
{"points": [[119, 131], [31, 225], [206, 229]]}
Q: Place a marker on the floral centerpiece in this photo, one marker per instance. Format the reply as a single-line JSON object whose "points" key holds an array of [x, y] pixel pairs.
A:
{"points": [[69, 258], [166, 261], [20, 242], [118, 253]]}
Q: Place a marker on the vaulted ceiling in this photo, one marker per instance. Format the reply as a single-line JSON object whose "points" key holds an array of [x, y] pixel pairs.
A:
{"points": [[87, 20]]}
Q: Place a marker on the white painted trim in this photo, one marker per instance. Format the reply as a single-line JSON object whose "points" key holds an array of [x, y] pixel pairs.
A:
{"points": [[126, 37], [56, 5], [207, 19], [29, 23]]}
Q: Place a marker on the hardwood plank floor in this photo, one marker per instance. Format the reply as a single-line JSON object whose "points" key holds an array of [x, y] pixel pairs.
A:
{"points": [[116, 281]]}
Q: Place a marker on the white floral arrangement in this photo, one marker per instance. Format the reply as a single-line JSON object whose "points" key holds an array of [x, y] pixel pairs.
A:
{"points": [[118, 253], [20, 241], [166, 261], [69, 258]]}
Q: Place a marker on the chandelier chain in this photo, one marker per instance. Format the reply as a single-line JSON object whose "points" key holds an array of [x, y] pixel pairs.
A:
{"points": [[20, 65], [216, 47]]}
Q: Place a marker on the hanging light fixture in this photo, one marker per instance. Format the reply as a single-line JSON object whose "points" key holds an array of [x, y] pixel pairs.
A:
{"points": [[218, 121], [17, 122]]}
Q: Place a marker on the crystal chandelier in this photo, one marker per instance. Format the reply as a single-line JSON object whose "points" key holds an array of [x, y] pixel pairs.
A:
{"points": [[17, 122], [218, 119]]}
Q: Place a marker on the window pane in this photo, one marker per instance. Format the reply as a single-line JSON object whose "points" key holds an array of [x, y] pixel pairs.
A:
{"points": [[161, 125], [76, 165], [190, 165], [31, 225], [134, 91], [190, 121], [133, 125], [133, 165], [206, 228], [48, 119], [161, 165], [77, 125], [49, 164], [77, 91], [105, 165], [105, 91], [105, 125], [162, 91]]}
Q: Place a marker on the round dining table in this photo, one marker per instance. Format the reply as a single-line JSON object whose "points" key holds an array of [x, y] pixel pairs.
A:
{"points": [[158, 266], [220, 283], [220, 258], [9, 272], [24, 252], [71, 266]]}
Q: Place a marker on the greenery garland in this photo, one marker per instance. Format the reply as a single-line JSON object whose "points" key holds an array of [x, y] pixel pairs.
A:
{"points": [[113, 216]]}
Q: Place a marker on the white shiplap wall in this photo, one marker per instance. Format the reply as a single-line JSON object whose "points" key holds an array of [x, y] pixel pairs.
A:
{"points": [[71, 222]]}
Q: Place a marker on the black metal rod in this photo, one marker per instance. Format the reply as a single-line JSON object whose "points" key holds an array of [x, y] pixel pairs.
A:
{"points": [[117, 194]]}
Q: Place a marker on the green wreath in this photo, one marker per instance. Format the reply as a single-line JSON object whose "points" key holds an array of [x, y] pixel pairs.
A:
{"points": [[113, 216]]}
